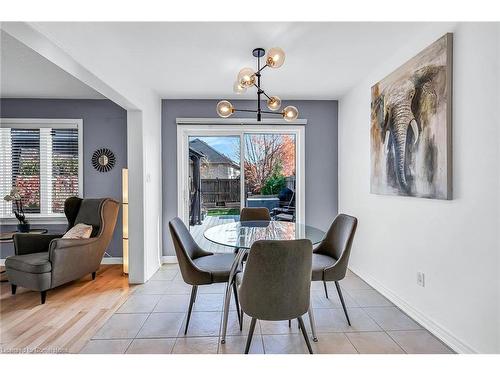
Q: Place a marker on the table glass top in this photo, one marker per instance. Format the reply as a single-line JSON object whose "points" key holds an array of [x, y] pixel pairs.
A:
{"points": [[244, 234]]}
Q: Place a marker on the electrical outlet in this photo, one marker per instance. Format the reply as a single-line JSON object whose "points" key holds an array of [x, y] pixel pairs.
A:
{"points": [[421, 279]]}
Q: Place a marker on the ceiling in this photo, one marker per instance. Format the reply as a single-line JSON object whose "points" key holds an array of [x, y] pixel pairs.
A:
{"points": [[201, 60], [26, 74]]}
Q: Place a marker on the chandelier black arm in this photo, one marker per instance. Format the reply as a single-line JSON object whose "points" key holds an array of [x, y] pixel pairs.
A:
{"points": [[262, 91], [255, 111], [261, 69], [273, 113]]}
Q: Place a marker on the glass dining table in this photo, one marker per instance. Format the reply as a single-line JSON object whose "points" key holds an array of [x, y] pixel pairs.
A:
{"points": [[241, 235]]}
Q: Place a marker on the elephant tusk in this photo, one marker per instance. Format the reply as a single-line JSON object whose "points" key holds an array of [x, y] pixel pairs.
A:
{"points": [[386, 142], [414, 127]]}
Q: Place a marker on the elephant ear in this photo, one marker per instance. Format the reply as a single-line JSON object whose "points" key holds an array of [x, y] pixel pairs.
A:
{"points": [[382, 114], [429, 83], [386, 136], [378, 113]]}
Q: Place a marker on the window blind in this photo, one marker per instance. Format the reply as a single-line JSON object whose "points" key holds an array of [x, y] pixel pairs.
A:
{"points": [[5, 170], [43, 162], [25, 148], [64, 179]]}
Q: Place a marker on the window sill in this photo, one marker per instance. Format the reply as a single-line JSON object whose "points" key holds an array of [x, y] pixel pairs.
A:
{"points": [[45, 220]]}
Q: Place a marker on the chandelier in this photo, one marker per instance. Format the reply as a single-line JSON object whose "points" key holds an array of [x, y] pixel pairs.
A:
{"points": [[248, 77]]}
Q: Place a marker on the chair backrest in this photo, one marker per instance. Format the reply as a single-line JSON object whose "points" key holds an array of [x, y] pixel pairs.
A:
{"points": [[255, 214], [71, 208], [188, 250], [90, 214], [101, 213], [338, 241], [277, 280]]}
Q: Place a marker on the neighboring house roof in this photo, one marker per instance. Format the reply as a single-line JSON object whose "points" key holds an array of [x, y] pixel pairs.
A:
{"points": [[211, 154]]}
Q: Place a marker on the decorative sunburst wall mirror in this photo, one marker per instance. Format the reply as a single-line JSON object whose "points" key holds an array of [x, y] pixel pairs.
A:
{"points": [[103, 159]]}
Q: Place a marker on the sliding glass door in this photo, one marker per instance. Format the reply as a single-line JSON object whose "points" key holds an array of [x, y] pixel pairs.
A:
{"points": [[214, 178], [222, 169], [270, 173]]}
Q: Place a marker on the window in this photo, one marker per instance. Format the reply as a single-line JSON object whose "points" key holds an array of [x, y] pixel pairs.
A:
{"points": [[43, 159]]}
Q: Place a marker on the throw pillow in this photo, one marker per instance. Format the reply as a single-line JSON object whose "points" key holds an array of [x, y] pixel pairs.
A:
{"points": [[79, 231]]}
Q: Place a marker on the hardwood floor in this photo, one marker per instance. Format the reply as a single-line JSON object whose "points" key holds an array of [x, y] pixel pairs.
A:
{"points": [[71, 316]]}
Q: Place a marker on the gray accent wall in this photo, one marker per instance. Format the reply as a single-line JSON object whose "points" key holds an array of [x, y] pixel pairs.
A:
{"points": [[104, 125], [321, 155]]}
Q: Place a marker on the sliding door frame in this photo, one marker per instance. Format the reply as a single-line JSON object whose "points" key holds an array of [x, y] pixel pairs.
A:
{"points": [[218, 127]]}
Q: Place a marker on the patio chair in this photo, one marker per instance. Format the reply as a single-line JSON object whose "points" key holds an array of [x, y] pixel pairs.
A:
{"points": [[286, 211]]}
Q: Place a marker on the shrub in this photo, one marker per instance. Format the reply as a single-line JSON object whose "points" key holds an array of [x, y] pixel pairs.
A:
{"points": [[274, 184]]}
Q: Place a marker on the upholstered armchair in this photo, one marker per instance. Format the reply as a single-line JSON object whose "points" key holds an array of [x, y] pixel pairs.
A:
{"points": [[45, 261]]}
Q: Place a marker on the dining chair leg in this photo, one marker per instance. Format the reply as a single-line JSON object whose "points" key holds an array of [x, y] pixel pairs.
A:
{"points": [[227, 300], [342, 301], [242, 315], [250, 335], [289, 323], [326, 290], [304, 333], [237, 303], [313, 324], [191, 303]]}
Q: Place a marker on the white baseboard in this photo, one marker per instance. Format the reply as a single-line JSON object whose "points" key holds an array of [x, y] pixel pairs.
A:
{"points": [[171, 259], [437, 330], [112, 260]]}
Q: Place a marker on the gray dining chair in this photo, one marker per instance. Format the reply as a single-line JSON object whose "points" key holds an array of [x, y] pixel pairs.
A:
{"points": [[276, 283], [252, 214], [199, 267], [330, 258], [255, 214]]}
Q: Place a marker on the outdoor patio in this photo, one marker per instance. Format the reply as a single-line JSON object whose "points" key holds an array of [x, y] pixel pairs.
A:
{"points": [[210, 221]]}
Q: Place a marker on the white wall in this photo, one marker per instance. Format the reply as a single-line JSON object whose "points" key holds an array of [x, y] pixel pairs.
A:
{"points": [[456, 243], [152, 178]]}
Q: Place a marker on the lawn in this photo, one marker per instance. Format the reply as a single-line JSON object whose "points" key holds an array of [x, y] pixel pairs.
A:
{"points": [[223, 211]]}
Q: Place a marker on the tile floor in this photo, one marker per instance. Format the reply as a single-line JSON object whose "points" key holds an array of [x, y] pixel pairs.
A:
{"points": [[152, 321]]}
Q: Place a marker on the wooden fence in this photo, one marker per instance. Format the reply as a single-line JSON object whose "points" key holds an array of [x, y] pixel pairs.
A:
{"points": [[218, 190]]}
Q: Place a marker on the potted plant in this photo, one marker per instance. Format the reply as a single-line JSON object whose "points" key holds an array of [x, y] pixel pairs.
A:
{"points": [[15, 196]]}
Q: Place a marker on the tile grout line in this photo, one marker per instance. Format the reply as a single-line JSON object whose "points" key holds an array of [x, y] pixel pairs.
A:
{"points": [[348, 339], [175, 339], [142, 325], [392, 338]]}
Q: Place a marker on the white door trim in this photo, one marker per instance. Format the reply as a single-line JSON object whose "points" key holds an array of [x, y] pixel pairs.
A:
{"points": [[188, 127]]}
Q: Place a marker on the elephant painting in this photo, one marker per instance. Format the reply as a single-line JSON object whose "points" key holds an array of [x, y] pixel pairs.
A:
{"points": [[411, 126]]}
